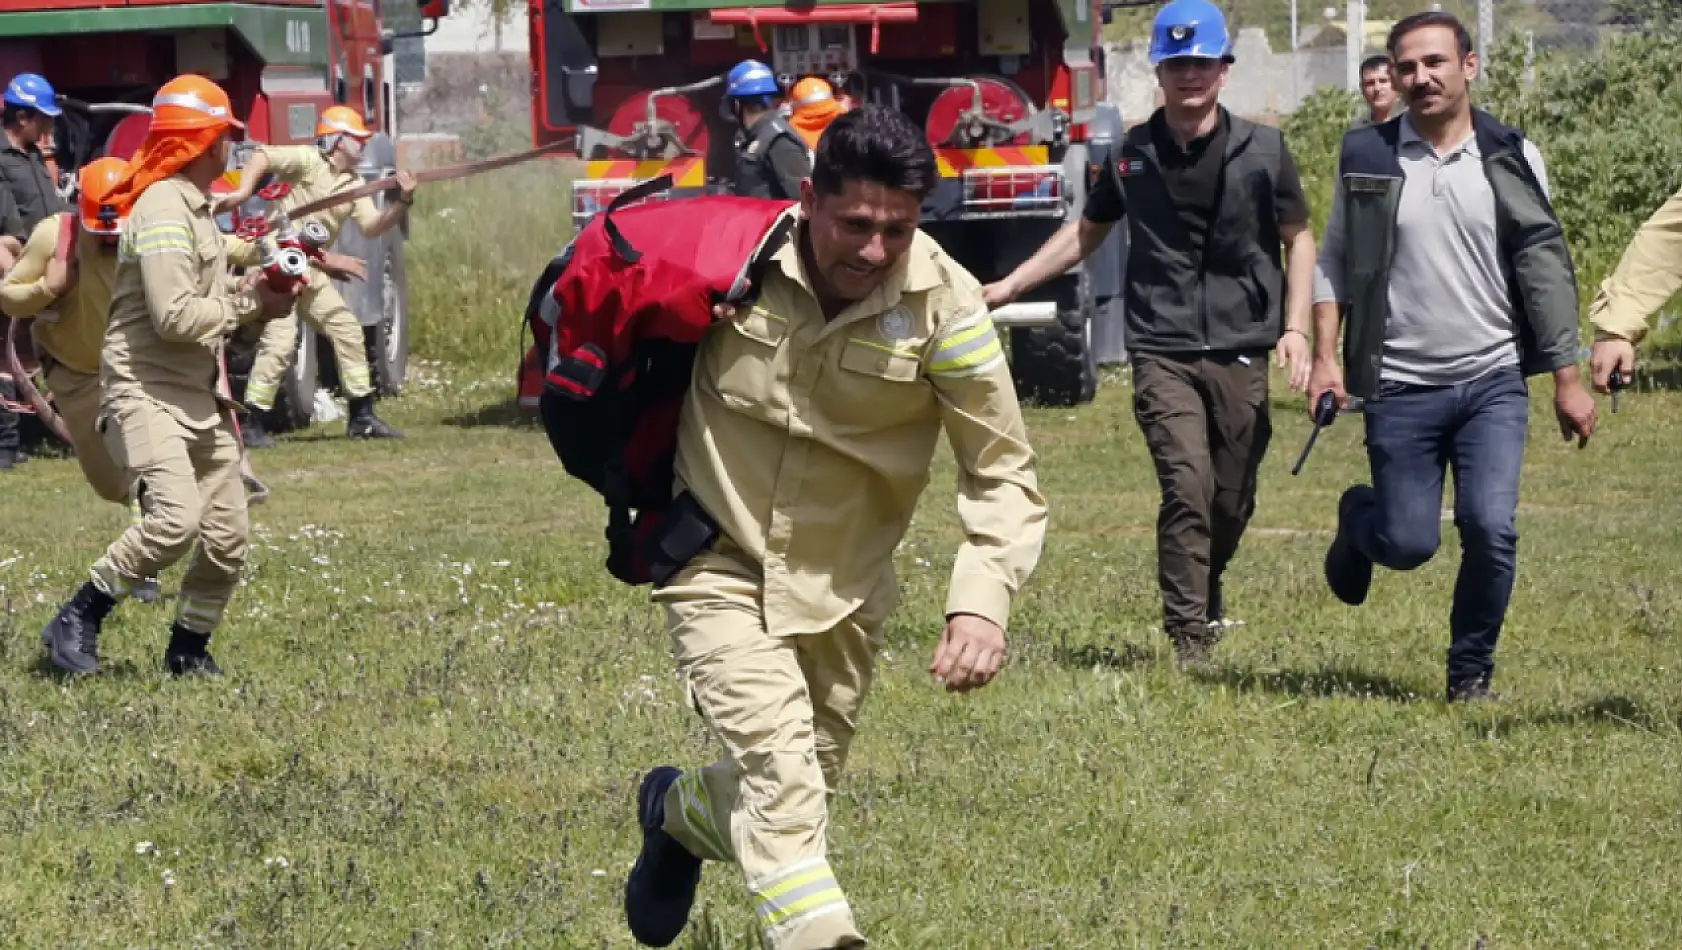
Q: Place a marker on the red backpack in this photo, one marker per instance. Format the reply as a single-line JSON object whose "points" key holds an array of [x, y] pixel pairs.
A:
{"points": [[617, 317]]}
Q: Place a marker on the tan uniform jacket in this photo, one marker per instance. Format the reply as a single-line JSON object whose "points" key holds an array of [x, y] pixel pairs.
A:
{"points": [[1647, 275], [312, 178], [172, 303], [73, 329], [810, 443]]}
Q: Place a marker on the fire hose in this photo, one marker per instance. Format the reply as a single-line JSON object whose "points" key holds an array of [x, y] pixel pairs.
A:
{"points": [[26, 384], [446, 173]]}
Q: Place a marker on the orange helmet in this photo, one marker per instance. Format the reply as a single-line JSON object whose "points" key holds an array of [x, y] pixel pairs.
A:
{"points": [[336, 120], [810, 93], [191, 102], [96, 179]]}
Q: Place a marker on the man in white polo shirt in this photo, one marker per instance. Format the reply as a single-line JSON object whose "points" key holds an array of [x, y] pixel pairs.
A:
{"points": [[1447, 267]]}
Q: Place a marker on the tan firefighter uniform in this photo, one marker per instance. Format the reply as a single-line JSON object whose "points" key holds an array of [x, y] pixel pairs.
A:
{"points": [[68, 333], [810, 444], [1647, 275], [173, 302], [311, 178]]}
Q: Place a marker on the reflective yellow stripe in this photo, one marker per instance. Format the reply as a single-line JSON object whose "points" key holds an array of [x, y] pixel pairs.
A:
{"points": [[697, 814], [968, 351], [803, 890], [886, 349], [762, 312], [161, 238]]}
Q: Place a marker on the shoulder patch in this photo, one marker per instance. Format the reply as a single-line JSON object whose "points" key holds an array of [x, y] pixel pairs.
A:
{"points": [[1128, 167]]}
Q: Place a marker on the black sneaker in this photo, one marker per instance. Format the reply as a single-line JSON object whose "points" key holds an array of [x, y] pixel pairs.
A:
{"points": [[1474, 690], [72, 637], [1348, 572], [188, 653], [1194, 648], [661, 887]]}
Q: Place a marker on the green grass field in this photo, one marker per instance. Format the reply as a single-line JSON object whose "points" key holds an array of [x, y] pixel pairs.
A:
{"points": [[438, 704]]}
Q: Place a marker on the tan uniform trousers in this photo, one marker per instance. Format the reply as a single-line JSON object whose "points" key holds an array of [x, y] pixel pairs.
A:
{"points": [[326, 312], [189, 486], [785, 710], [77, 397]]}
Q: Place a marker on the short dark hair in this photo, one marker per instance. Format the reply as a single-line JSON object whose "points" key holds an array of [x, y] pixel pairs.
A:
{"points": [[1375, 61], [874, 143], [1419, 21]]}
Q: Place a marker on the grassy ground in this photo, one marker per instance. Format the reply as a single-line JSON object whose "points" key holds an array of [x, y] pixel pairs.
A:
{"points": [[438, 704]]}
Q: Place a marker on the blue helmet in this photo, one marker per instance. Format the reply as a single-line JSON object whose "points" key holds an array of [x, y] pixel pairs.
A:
{"points": [[751, 79], [32, 92], [1194, 28]]}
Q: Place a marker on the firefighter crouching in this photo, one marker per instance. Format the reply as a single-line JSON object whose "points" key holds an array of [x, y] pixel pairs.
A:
{"points": [[807, 435], [173, 303], [66, 293], [771, 159], [317, 171]]}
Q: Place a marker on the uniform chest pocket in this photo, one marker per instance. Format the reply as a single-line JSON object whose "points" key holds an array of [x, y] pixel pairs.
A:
{"points": [[746, 350], [880, 362], [877, 387], [208, 251]]}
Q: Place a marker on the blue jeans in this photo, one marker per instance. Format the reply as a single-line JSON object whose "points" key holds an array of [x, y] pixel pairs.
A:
{"points": [[1413, 434]]}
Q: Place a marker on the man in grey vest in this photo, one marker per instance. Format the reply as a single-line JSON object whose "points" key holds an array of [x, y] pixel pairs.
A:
{"points": [[1448, 271], [1211, 201], [771, 158]]}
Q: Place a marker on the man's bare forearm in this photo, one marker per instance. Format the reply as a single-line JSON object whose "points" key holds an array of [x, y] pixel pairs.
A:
{"points": [[1070, 245], [1328, 320], [1299, 280]]}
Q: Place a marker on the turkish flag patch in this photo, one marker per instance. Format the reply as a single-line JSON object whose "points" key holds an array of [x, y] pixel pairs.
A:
{"points": [[1130, 166]]}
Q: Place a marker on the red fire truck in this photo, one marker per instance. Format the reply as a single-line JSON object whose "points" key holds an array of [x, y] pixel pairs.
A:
{"points": [[1009, 92]]}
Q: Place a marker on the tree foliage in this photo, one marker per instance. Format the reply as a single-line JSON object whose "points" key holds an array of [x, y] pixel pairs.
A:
{"points": [[1608, 124]]}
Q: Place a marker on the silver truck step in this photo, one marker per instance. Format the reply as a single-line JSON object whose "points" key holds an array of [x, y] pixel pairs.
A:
{"points": [[1035, 314]]}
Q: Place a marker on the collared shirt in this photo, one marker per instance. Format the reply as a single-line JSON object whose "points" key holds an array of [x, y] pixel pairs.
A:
{"points": [[70, 328], [313, 178], [172, 302], [810, 441], [1647, 276], [1451, 313]]}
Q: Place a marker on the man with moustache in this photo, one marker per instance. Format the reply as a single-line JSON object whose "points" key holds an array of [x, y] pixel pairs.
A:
{"points": [[1211, 201], [806, 436], [1449, 275]]}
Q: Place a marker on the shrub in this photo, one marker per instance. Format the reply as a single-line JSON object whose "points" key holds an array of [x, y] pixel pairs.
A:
{"points": [[1609, 126]]}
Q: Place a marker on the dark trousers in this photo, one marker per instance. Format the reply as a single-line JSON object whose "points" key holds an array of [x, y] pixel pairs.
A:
{"points": [[1206, 422], [1413, 434], [8, 419]]}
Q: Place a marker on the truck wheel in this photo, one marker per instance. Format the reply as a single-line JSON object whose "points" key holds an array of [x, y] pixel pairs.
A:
{"points": [[390, 346], [1055, 365], [294, 405]]}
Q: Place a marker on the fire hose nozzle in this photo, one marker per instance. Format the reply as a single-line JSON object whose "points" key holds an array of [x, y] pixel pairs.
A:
{"points": [[285, 268], [314, 234]]}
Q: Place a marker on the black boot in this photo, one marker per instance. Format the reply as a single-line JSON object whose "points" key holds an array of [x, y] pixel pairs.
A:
{"points": [[364, 424], [188, 653], [251, 429], [661, 887], [72, 637]]}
